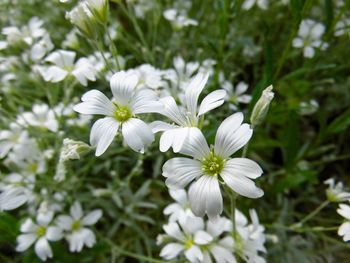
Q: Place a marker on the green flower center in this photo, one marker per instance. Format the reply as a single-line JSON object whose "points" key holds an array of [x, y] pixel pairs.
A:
{"points": [[122, 113], [41, 231], [189, 243], [213, 164], [76, 225]]}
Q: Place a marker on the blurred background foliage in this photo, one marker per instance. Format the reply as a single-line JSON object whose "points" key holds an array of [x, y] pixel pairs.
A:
{"points": [[297, 151]]}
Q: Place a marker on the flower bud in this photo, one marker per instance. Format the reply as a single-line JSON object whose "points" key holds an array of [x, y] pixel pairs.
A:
{"points": [[73, 149], [99, 9], [261, 107], [84, 20]]}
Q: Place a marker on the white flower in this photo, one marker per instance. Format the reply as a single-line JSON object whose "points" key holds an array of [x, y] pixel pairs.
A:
{"points": [[342, 27], [27, 34], [309, 37], [76, 225], [250, 238], [308, 107], [64, 66], [180, 208], [235, 95], [211, 163], [149, 76], [248, 4], [121, 112], [16, 190], [41, 48], [187, 117], [344, 229], [335, 191], [186, 239], [10, 139], [27, 157], [41, 116], [198, 244], [40, 233], [178, 18]]}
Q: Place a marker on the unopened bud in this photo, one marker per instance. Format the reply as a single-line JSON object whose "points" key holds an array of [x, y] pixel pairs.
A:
{"points": [[261, 107], [84, 20], [99, 9], [73, 149]]}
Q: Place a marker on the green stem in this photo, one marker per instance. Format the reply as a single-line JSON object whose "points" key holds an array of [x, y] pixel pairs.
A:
{"points": [[312, 214], [113, 49], [99, 46]]}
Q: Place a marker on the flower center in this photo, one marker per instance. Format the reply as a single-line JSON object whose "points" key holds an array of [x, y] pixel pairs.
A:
{"points": [[122, 113], [76, 225], [189, 243], [213, 164], [41, 231]]}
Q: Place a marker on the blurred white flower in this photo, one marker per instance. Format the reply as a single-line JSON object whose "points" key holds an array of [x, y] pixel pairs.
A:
{"points": [[336, 192], [178, 18], [308, 107], [180, 208], [27, 34], [344, 229], [248, 4], [235, 95], [40, 233], [16, 190], [189, 237], [64, 66], [208, 164], [76, 226], [250, 239], [10, 139], [41, 48], [310, 37], [40, 116], [187, 116], [121, 111], [149, 77], [342, 27]]}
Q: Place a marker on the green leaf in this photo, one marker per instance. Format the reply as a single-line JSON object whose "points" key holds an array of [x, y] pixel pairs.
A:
{"points": [[340, 123]]}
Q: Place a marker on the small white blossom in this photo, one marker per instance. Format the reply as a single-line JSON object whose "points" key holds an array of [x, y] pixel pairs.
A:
{"points": [[180, 208], [310, 37], [344, 229], [210, 164], [187, 116], [10, 139], [248, 4], [39, 233], [335, 191], [63, 66], [121, 112], [40, 116], [76, 226]]}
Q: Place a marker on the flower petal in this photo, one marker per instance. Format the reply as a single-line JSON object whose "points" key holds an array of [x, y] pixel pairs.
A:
{"points": [[43, 249], [231, 135], [137, 134], [171, 251], [25, 241], [172, 111], [102, 134], [241, 185], [195, 144], [181, 171], [54, 233], [65, 222], [202, 238], [123, 85], [159, 126], [212, 101], [92, 217], [205, 197], [146, 101], [194, 254], [173, 230], [28, 226], [193, 90], [76, 210], [243, 167], [95, 102]]}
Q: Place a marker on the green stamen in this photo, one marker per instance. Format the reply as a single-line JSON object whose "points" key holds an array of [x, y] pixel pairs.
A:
{"points": [[213, 164], [76, 225], [41, 231], [122, 113]]}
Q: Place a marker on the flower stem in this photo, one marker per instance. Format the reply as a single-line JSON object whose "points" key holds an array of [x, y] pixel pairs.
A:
{"points": [[312, 214], [99, 46]]}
